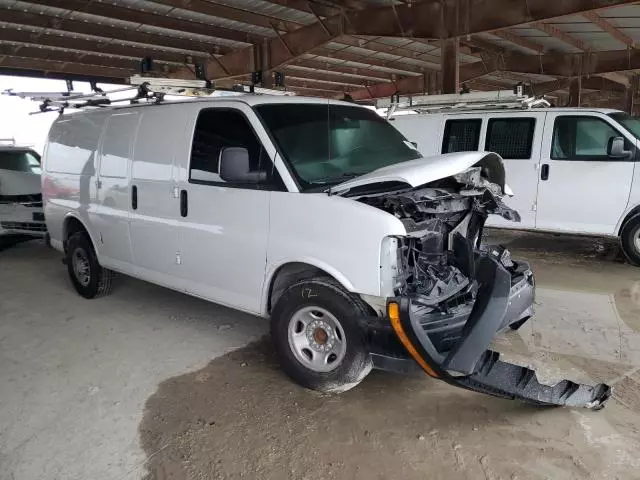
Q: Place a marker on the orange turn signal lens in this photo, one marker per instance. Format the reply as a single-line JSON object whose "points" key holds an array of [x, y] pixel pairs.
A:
{"points": [[393, 312]]}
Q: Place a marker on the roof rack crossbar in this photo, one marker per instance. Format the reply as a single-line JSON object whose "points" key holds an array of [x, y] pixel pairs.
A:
{"points": [[467, 101], [147, 89]]}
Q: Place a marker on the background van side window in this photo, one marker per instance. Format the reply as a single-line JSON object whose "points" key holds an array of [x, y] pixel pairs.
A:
{"points": [[217, 129], [461, 135], [582, 138], [511, 138]]}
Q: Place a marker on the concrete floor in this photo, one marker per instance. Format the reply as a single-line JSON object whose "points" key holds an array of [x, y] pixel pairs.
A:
{"points": [[75, 373], [138, 384]]}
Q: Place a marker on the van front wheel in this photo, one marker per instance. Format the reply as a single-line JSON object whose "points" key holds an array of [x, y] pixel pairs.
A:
{"points": [[89, 279], [316, 336]]}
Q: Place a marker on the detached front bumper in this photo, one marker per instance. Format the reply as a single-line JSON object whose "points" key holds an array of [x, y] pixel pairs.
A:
{"points": [[453, 346]]}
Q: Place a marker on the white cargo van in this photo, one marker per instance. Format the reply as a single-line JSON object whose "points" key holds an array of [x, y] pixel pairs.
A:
{"points": [[317, 214], [21, 215], [572, 170]]}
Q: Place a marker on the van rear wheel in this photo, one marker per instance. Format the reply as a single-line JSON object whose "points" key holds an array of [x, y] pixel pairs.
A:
{"points": [[630, 240], [316, 336], [89, 279]]}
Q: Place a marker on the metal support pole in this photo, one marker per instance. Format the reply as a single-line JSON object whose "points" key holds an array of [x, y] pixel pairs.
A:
{"points": [[450, 65], [575, 88]]}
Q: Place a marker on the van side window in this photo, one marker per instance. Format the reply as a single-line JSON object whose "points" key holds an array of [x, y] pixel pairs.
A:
{"points": [[217, 129], [582, 138], [511, 138], [461, 135]]}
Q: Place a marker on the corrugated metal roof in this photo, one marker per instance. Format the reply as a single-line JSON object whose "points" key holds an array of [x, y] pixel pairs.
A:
{"points": [[192, 36], [272, 10], [101, 40], [627, 11], [220, 22], [335, 61], [506, 44], [548, 42], [414, 54], [347, 76]]}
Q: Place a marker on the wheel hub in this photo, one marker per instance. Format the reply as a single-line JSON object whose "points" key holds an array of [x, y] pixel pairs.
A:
{"points": [[317, 339], [81, 267], [320, 335]]}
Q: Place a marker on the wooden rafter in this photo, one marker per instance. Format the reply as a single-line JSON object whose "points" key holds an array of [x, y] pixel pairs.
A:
{"points": [[555, 32], [519, 40], [610, 28]]}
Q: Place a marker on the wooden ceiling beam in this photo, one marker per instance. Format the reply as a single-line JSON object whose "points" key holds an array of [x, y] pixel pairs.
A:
{"points": [[104, 46], [519, 40], [555, 32], [61, 67], [118, 12], [610, 28], [231, 13], [54, 26], [319, 64]]}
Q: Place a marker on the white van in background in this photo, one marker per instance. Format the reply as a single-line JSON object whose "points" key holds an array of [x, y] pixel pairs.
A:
{"points": [[572, 170], [21, 215]]}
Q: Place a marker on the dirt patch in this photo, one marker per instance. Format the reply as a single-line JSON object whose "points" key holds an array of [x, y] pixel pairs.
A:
{"points": [[239, 417]]}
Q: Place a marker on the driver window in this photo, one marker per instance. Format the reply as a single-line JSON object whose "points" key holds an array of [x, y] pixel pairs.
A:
{"points": [[215, 130], [582, 138]]}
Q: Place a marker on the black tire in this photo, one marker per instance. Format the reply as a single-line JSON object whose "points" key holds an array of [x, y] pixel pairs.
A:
{"points": [[329, 295], [100, 280], [628, 234]]}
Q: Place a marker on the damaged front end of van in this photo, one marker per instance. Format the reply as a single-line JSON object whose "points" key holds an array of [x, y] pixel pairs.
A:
{"points": [[452, 295]]}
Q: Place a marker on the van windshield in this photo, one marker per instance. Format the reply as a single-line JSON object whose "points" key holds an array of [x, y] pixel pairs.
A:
{"points": [[632, 124], [20, 161], [327, 144]]}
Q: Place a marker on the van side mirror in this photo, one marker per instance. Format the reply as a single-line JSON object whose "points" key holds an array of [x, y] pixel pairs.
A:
{"points": [[234, 166], [615, 148]]}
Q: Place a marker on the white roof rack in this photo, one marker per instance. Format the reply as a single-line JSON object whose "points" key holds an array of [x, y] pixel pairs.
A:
{"points": [[148, 89], [465, 101], [8, 142]]}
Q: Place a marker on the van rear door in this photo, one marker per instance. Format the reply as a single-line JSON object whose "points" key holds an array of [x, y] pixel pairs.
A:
{"points": [[581, 188]]}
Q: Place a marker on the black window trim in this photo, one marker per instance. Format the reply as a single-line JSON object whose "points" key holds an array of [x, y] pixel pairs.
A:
{"points": [[532, 134], [447, 126], [292, 173], [590, 158], [269, 185]]}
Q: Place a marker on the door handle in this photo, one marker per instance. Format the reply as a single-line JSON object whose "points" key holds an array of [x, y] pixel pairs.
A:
{"points": [[184, 203], [544, 172], [134, 197]]}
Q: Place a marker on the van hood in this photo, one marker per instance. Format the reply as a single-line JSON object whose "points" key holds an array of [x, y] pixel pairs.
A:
{"points": [[429, 169], [19, 183]]}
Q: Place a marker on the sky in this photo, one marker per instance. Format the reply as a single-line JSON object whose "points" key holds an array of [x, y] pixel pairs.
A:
{"points": [[15, 121]]}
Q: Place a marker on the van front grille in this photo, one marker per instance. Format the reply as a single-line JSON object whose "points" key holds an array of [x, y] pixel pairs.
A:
{"points": [[32, 227], [31, 200]]}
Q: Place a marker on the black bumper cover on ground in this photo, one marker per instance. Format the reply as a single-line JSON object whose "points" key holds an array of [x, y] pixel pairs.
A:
{"points": [[455, 345]]}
